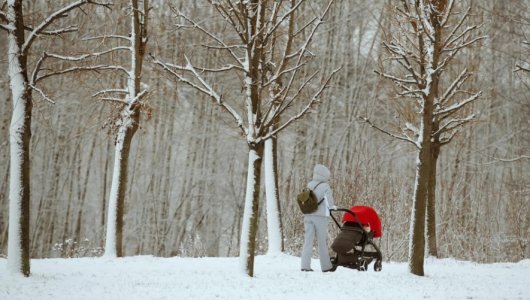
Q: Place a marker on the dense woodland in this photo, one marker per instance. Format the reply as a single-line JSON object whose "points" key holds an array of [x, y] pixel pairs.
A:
{"points": [[187, 165]]}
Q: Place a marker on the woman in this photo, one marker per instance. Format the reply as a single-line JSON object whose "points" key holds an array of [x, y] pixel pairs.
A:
{"points": [[316, 223]]}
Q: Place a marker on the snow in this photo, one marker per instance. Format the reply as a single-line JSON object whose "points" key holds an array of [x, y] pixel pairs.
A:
{"points": [[276, 277]]}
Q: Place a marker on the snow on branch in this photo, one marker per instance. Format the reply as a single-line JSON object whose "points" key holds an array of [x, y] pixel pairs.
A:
{"points": [[42, 93], [518, 158], [55, 32], [103, 37], [455, 85], [108, 91], [204, 87], [35, 78], [195, 25], [393, 135], [4, 27], [299, 54], [61, 13], [453, 124], [283, 103], [452, 34], [287, 14], [314, 100], [402, 57], [424, 13], [445, 112]]}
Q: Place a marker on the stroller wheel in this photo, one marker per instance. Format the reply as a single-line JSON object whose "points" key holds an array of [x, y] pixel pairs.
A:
{"points": [[363, 265], [378, 266]]}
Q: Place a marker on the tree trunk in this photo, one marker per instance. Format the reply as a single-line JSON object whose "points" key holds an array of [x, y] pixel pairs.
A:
{"points": [[249, 230], [19, 141], [431, 202], [271, 191], [114, 239], [127, 126], [417, 226]]}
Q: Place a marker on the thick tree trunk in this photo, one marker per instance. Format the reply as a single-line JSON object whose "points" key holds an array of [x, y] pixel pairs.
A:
{"points": [[19, 140], [251, 211], [431, 203]]}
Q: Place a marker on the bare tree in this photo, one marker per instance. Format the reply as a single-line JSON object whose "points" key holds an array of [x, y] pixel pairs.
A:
{"points": [[22, 86], [424, 43], [254, 25], [129, 101]]}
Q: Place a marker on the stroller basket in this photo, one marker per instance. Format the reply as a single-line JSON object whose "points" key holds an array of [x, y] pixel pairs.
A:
{"points": [[363, 249]]}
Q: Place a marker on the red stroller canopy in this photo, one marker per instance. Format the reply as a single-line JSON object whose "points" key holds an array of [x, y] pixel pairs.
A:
{"points": [[366, 215]]}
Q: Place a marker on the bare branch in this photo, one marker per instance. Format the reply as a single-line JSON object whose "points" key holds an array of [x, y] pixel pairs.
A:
{"points": [[453, 123], [212, 36], [107, 91], [515, 158], [61, 13], [222, 69], [312, 101], [447, 13], [521, 68], [55, 32], [112, 99], [282, 106], [204, 88], [78, 69], [285, 16], [450, 91], [455, 107], [447, 140], [402, 138], [41, 92], [397, 80], [112, 36], [452, 34]]}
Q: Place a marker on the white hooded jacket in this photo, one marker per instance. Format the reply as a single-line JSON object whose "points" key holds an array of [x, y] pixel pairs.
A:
{"points": [[321, 174]]}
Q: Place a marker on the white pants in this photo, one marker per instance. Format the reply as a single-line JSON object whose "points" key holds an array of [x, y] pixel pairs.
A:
{"points": [[316, 225]]}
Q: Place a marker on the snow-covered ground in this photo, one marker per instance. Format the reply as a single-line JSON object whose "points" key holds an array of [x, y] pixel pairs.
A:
{"points": [[276, 277]]}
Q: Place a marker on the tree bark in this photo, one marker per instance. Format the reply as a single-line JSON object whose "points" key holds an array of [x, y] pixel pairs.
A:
{"points": [[251, 211], [19, 140], [431, 202]]}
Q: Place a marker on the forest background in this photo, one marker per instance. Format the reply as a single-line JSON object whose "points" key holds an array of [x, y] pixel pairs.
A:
{"points": [[188, 165]]}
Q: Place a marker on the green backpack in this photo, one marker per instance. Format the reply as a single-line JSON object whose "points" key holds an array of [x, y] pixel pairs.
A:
{"points": [[308, 201]]}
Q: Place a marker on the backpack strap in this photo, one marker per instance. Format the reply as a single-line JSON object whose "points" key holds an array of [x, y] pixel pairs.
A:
{"points": [[315, 189]]}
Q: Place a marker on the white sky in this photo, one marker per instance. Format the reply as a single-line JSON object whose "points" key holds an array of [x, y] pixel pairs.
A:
{"points": [[276, 277]]}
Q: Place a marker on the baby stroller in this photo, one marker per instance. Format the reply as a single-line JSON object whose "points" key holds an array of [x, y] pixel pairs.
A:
{"points": [[354, 245]]}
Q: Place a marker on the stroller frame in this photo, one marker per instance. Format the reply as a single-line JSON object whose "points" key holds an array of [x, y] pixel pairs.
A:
{"points": [[361, 256]]}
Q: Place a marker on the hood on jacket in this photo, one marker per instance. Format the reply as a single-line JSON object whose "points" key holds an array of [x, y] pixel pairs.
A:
{"points": [[321, 173]]}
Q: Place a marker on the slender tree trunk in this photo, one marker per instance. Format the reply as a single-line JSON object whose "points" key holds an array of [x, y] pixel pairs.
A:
{"points": [[114, 239], [127, 126], [271, 192], [251, 210], [431, 202], [421, 189], [19, 141]]}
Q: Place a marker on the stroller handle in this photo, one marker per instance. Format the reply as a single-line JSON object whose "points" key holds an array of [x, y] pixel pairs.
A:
{"points": [[331, 211]]}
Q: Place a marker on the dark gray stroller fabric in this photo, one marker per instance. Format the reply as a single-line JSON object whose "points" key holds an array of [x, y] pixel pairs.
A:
{"points": [[348, 237]]}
